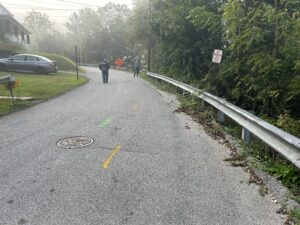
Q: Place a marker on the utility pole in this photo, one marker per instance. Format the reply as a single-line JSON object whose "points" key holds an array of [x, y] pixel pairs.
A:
{"points": [[79, 40], [149, 39]]}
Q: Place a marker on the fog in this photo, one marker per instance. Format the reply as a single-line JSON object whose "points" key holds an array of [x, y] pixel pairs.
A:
{"points": [[58, 10]]}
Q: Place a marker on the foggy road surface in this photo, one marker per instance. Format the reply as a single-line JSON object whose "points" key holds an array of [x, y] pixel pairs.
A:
{"points": [[144, 167]]}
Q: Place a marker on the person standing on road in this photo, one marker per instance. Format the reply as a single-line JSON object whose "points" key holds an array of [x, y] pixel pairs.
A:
{"points": [[104, 67], [137, 68]]}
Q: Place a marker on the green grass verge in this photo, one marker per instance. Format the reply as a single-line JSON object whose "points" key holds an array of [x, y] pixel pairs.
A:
{"points": [[63, 63], [296, 214], [40, 87]]}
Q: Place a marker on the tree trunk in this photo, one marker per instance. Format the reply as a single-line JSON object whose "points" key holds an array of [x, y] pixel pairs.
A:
{"points": [[276, 32]]}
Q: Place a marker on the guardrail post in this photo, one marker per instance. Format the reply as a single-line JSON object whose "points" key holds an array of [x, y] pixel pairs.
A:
{"points": [[221, 117], [201, 106], [185, 92], [246, 134]]}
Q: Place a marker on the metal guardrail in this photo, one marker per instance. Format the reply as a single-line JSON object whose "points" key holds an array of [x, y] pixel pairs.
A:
{"points": [[284, 143]]}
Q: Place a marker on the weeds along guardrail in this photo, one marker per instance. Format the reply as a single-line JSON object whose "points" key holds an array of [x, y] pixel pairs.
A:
{"points": [[284, 143]]}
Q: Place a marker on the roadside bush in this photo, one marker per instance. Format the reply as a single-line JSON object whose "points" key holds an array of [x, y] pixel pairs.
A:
{"points": [[289, 124]]}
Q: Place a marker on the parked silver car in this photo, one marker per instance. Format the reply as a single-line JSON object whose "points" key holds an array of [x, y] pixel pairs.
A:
{"points": [[28, 63]]}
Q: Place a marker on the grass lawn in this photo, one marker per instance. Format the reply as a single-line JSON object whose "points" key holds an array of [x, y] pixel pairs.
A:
{"points": [[41, 87]]}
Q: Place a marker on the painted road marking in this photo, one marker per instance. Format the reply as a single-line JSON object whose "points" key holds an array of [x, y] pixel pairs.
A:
{"points": [[105, 123], [106, 163]]}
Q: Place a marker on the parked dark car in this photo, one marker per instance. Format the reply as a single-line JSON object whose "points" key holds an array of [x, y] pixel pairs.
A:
{"points": [[28, 63]]}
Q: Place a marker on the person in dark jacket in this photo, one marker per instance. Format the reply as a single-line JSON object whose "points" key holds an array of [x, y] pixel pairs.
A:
{"points": [[104, 67], [137, 67]]}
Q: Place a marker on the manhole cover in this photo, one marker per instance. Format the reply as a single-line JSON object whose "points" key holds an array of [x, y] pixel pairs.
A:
{"points": [[75, 142]]}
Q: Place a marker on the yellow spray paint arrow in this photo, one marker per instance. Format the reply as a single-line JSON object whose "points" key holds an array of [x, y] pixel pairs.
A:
{"points": [[106, 163]]}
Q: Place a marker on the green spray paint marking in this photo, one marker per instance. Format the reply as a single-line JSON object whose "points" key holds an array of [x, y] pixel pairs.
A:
{"points": [[105, 123]]}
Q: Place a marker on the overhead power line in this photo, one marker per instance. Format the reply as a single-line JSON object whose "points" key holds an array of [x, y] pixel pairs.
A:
{"points": [[56, 3], [65, 3], [78, 3], [85, 4], [41, 8], [66, 6]]}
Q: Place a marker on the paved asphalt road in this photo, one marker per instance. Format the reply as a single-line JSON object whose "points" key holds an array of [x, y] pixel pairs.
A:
{"points": [[164, 173]]}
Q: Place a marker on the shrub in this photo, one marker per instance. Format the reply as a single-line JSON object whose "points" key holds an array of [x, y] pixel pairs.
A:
{"points": [[288, 124], [63, 62]]}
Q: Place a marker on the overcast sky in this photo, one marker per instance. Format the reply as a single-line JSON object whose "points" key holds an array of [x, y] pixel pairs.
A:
{"points": [[58, 10]]}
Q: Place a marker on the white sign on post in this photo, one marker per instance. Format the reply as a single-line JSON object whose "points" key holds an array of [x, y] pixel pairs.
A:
{"points": [[217, 57]]}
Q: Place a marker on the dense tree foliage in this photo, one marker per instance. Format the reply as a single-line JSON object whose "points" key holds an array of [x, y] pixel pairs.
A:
{"points": [[97, 33], [263, 51], [260, 69], [40, 26], [100, 33], [138, 32], [44, 37]]}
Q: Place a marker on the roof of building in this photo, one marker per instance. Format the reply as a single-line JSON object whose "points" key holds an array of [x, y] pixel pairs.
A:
{"points": [[4, 13]]}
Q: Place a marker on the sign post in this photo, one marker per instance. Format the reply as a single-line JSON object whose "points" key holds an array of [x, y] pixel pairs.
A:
{"points": [[76, 59], [11, 93], [217, 56]]}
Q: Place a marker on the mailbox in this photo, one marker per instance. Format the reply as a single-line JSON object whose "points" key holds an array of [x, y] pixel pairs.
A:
{"points": [[7, 79]]}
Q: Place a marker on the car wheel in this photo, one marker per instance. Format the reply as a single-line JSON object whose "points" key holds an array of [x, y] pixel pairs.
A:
{"points": [[41, 70], [3, 67]]}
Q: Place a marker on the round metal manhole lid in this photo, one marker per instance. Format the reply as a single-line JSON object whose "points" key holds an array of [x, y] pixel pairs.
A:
{"points": [[75, 142]]}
